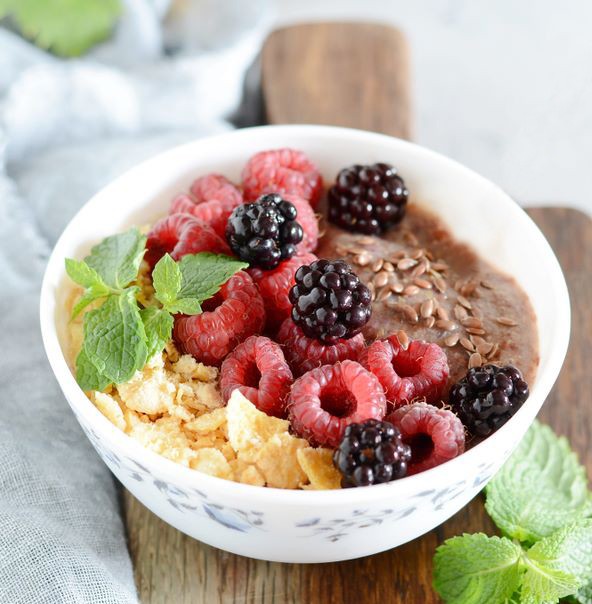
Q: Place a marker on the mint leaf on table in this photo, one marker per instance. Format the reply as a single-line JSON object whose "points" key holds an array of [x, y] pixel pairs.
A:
{"points": [[558, 565], [158, 325], [539, 489], [66, 27], [115, 338], [473, 569], [203, 274], [117, 258]]}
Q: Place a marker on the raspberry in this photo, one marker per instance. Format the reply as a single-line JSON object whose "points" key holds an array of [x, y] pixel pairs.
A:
{"points": [[180, 234], [258, 369], [282, 171], [487, 397], [265, 232], [230, 317], [421, 371], [329, 301], [275, 285], [434, 435], [367, 199], [325, 400], [371, 453], [304, 353], [212, 200], [308, 221]]}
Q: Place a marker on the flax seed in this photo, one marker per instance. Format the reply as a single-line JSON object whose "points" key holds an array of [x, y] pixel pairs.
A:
{"points": [[377, 265], [423, 283], [442, 313], [417, 254], [476, 331], [446, 325], [506, 321], [485, 348], [397, 287], [411, 290], [406, 263], [439, 266], [388, 266], [380, 279], [383, 294], [486, 284], [472, 322], [475, 360], [493, 352], [429, 322], [460, 313], [451, 340], [410, 313], [427, 308], [464, 302], [477, 340], [468, 289], [467, 344], [362, 259], [419, 270], [440, 284], [403, 339]]}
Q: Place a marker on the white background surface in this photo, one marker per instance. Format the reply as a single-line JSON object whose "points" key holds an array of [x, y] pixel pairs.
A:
{"points": [[503, 86]]}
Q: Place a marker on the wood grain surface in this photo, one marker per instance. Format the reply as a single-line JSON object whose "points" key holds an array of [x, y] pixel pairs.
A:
{"points": [[342, 74], [172, 568]]}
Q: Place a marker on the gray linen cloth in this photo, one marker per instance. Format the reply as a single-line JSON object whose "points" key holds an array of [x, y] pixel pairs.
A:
{"points": [[66, 129]]}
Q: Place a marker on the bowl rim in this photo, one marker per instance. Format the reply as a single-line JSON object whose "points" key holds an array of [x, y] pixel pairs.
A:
{"points": [[201, 481]]}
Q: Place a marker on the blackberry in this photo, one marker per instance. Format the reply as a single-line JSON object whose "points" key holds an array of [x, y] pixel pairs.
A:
{"points": [[265, 232], [367, 199], [329, 302], [487, 397], [370, 453]]}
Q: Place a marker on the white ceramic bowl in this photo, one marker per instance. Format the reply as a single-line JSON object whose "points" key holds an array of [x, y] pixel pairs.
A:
{"points": [[306, 526]]}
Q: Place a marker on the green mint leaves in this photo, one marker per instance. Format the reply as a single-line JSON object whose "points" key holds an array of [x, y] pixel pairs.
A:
{"points": [[119, 335], [540, 501], [475, 568], [543, 469], [66, 27]]}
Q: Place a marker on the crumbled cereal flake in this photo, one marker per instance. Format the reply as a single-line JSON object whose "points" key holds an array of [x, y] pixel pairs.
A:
{"points": [[149, 391], [249, 428], [110, 408], [211, 461], [318, 466], [208, 422], [278, 461], [251, 475], [189, 368]]}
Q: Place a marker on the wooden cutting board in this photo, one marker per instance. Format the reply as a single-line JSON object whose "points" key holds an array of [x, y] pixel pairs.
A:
{"points": [[358, 75]]}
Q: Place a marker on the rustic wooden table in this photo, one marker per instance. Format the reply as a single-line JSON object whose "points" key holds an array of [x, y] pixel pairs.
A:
{"points": [[357, 75]]}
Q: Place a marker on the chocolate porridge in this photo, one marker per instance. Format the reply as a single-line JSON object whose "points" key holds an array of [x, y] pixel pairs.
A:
{"points": [[428, 286]]}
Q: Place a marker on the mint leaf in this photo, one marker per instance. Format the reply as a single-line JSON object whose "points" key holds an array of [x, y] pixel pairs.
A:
{"points": [[117, 258], [203, 274], [114, 337], [166, 279], [87, 375], [186, 306], [67, 27], [539, 489], [83, 274], [559, 565], [473, 569], [158, 325]]}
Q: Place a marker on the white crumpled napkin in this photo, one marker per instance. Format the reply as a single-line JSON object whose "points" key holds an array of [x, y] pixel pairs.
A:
{"points": [[66, 129]]}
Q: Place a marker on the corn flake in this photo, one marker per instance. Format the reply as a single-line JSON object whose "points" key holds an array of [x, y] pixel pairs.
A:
{"points": [[318, 466], [110, 408], [212, 462], [278, 462]]}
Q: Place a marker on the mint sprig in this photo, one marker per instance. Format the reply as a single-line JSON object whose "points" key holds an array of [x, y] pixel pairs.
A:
{"points": [[120, 335], [540, 501]]}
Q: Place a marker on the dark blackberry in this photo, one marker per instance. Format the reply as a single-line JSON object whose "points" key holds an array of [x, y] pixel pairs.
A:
{"points": [[370, 453], [265, 232], [487, 397], [329, 302], [367, 199]]}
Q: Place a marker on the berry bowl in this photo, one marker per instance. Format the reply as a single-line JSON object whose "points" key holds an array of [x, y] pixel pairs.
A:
{"points": [[313, 526]]}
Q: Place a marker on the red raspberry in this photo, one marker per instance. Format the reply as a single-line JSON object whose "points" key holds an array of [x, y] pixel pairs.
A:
{"points": [[283, 171], [180, 234], [434, 435], [258, 369], [230, 317], [304, 353], [275, 285], [420, 371], [327, 399], [212, 200], [308, 221]]}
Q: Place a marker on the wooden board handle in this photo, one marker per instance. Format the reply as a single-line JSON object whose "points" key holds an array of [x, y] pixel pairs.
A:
{"points": [[342, 74]]}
